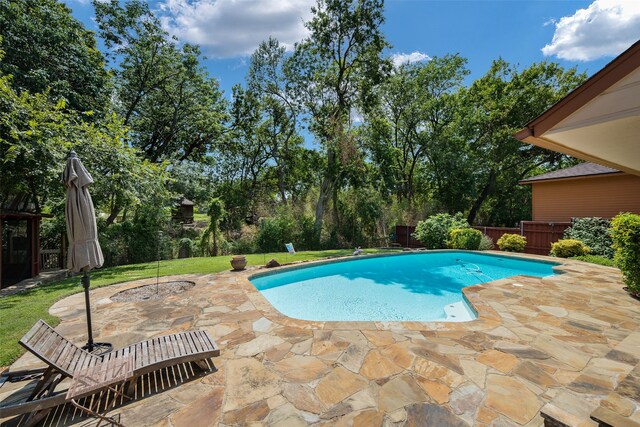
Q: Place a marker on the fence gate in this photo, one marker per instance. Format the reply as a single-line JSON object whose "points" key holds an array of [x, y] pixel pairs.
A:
{"points": [[404, 237], [540, 235], [50, 259]]}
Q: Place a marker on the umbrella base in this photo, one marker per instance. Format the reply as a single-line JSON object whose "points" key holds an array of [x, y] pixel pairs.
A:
{"points": [[98, 348]]}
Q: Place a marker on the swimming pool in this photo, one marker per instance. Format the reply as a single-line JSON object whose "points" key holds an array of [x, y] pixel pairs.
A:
{"points": [[404, 287]]}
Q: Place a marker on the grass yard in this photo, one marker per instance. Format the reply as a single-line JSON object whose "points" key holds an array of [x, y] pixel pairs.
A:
{"points": [[595, 259], [20, 311], [200, 217]]}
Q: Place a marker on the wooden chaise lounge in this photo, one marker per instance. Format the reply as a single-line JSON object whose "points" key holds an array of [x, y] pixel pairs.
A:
{"points": [[63, 359]]}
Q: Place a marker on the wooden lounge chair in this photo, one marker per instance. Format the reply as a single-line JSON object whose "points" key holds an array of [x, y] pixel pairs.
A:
{"points": [[63, 359]]}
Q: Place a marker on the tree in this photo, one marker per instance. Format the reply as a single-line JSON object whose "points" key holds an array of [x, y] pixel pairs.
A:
{"points": [[269, 83], [192, 180], [174, 109], [215, 211], [496, 106], [49, 51], [36, 135], [33, 143], [413, 124], [332, 72]]}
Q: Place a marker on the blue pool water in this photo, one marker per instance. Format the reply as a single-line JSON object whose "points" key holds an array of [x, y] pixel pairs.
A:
{"points": [[413, 287]]}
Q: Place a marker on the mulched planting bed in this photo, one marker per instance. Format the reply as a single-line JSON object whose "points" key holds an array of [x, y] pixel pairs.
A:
{"points": [[153, 292]]}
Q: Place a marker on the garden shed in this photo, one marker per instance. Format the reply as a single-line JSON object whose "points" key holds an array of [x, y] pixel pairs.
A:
{"points": [[19, 240], [584, 190], [184, 211]]}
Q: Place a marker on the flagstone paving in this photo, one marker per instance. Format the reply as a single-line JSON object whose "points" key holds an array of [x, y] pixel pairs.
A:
{"points": [[568, 343]]}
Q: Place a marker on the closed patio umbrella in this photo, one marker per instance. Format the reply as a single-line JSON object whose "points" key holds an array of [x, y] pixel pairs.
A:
{"points": [[84, 251]]}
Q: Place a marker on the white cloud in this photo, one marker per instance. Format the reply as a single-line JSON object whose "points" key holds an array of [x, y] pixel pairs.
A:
{"points": [[399, 59], [229, 28], [605, 28]]}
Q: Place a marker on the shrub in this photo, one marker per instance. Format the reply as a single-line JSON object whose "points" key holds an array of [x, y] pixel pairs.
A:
{"points": [[138, 239], [274, 232], [565, 248], [486, 243], [593, 232], [244, 245], [625, 234], [595, 259], [512, 242], [186, 248], [114, 245], [434, 231], [465, 238], [211, 239]]}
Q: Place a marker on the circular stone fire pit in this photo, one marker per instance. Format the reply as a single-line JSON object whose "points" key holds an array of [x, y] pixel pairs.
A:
{"points": [[153, 292]]}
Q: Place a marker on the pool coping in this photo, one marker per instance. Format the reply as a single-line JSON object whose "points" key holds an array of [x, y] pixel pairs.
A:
{"points": [[487, 318]]}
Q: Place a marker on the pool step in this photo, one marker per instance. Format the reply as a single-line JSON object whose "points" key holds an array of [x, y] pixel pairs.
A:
{"points": [[458, 312]]}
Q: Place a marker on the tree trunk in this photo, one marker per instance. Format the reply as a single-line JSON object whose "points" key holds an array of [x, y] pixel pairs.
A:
{"points": [[486, 192], [323, 198], [281, 188], [114, 214], [215, 240], [336, 214], [326, 189]]}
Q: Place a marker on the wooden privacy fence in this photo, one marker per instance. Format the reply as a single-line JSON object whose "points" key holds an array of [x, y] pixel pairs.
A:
{"points": [[496, 232], [404, 238], [540, 235]]}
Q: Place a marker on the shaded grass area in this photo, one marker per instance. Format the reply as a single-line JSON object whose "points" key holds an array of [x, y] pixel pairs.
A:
{"points": [[20, 311], [595, 259], [201, 217]]}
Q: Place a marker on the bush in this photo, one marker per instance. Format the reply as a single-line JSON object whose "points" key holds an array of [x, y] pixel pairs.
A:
{"points": [[595, 259], [566, 248], [138, 239], [244, 245], [434, 231], [512, 242], [486, 243], [114, 245], [186, 248], [465, 238], [274, 232], [593, 232], [625, 234]]}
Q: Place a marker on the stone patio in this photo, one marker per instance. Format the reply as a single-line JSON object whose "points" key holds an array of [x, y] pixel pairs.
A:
{"points": [[567, 343]]}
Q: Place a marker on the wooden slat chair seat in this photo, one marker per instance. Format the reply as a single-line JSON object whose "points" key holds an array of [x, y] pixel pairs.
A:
{"points": [[55, 350], [63, 358]]}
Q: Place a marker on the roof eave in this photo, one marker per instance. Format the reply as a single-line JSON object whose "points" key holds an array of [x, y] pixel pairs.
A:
{"points": [[614, 71], [560, 148], [569, 178]]}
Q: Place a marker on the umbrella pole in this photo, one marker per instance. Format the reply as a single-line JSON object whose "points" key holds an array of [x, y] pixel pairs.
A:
{"points": [[97, 348], [86, 283]]}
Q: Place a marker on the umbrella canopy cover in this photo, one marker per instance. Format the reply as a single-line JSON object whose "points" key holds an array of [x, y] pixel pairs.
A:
{"points": [[84, 249]]}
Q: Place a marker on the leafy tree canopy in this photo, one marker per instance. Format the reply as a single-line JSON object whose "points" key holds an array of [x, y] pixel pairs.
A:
{"points": [[48, 50], [174, 109]]}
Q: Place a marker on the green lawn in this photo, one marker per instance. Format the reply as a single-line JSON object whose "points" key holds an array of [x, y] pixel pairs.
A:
{"points": [[200, 217], [19, 312], [595, 259]]}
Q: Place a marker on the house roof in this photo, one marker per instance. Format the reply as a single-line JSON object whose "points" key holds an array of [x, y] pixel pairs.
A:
{"points": [[599, 121], [583, 169], [17, 203], [186, 202]]}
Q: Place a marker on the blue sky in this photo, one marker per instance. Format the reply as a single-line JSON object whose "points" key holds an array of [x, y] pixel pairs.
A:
{"points": [[586, 34]]}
